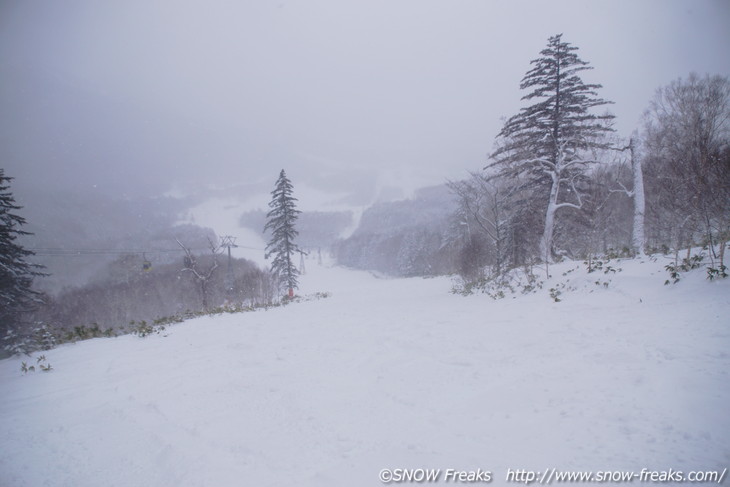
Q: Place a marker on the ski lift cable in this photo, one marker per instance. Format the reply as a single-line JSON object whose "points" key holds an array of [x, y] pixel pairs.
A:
{"points": [[67, 252], [72, 252]]}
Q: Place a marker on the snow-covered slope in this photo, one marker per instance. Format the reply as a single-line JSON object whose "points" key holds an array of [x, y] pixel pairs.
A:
{"points": [[388, 374], [222, 212]]}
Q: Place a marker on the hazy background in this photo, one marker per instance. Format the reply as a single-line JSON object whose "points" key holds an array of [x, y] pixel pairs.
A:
{"points": [[363, 100]]}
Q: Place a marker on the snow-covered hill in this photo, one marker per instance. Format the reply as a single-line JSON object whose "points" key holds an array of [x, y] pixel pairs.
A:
{"points": [[388, 373]]}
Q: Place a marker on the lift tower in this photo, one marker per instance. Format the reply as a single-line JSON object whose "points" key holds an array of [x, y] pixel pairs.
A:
{"points": [[228, 242]]}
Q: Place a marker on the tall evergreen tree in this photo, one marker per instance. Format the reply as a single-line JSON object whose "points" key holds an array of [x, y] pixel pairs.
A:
{"points": [[16, 274], [547, 147], [281, 221]]}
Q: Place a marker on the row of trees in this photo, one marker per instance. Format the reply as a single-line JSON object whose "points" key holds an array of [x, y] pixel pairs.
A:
{"points": [[406, 252], [128, 291], [686, 158], [403, 238], [561, 183]]}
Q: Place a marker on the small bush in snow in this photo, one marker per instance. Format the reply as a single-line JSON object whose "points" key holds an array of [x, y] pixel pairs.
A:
{"points": [[521, 280], [142, 328], [40, 361], [687, 264], [593, 265], [40, 337], [719, 272], [555, 293], [86, 332]]}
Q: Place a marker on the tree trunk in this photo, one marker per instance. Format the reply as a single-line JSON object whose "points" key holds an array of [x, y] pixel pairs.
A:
{"points": [[721, 256], [638, 238], [546, 242], [204, 292]]}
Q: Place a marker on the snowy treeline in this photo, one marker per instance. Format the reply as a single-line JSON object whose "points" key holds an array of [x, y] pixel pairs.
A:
{"points": [[686, 159], [562, 184], [666, 189], [471, 228], [403, 238], [127, 293], [132, 290]]}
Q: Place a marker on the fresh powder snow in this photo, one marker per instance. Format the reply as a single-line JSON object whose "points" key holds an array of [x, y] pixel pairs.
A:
{"points": [[623, 373]]}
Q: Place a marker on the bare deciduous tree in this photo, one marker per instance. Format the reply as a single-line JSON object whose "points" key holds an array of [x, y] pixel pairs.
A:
{"points": [[202, 276], [482, 206], [637, 195], [687, 140]]}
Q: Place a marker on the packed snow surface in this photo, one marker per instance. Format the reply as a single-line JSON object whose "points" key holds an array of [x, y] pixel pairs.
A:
{"points": [[623, 373]]}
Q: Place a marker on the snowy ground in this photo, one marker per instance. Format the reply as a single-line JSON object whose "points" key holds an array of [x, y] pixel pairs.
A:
{"points": [[387, 373]]}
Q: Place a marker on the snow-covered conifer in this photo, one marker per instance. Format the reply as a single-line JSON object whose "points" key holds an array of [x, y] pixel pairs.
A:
{"points": [[548, 145], [16, 273], [281, 220]]}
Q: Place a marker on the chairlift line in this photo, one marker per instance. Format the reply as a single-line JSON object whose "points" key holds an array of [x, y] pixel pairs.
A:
{"points": [[146, 263], [53, 252], [64, 252]]}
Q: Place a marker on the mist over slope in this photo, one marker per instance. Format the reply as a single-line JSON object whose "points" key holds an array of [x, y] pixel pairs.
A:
{"points": [[388, 373], [77, 234], [408, 237]]}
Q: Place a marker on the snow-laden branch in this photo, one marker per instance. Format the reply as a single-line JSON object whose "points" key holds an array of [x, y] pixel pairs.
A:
{"points": [[624, 190], [577, 193]]}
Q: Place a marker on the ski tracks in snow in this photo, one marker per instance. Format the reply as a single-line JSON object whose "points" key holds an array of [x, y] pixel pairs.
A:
{"points": [[385, 373]]}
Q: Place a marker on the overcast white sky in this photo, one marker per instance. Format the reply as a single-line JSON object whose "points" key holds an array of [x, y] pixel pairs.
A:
{"points": [[342, 94]]}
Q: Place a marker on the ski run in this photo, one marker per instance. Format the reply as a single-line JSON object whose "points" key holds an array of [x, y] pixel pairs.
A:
{"points": [[623, 373]]}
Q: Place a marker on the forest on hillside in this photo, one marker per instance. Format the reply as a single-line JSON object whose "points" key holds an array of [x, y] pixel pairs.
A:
{"points": [[559, 184]]}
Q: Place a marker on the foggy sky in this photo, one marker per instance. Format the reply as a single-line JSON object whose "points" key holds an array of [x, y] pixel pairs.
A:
{"points": [[140, 95]]}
